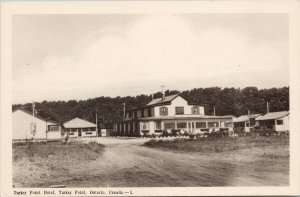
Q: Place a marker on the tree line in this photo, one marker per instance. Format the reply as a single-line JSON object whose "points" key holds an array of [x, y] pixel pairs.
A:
{"points": [[227, 101]]}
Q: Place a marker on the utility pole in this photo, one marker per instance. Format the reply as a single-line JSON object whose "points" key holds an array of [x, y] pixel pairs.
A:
{"points": [[248, 112], [33, 110], [124, 111], [214, 111], [162, 88], [97, 135]]}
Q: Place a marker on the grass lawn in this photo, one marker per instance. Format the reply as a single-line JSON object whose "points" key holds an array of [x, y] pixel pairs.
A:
{"points": [[35, 164], [242, 161], [213, 145]]}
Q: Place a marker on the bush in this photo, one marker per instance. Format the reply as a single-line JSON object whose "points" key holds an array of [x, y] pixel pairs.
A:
{"points": [[191, 136], [95, 147]]}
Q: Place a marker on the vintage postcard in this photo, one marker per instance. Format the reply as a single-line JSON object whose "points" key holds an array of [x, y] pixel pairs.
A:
{"points": [[150, 98]]}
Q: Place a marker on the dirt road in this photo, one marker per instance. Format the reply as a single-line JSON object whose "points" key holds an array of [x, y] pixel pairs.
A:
{"points": [[125, 163]]}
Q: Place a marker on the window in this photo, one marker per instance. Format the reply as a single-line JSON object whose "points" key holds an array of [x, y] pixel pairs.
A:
{"points": [[169, 125], [213, 124], [163, 111], [144, 126], [179, 110], [93, 129], [139, 113], [143, 113], [195, 110], [85, 129], [247, 124], [181, 125], [73, 130], [128, 127], [53, 128], [228, 124], [279, 122], [252, 121], [149, 112], [270, 122], [200, 124], [157, 125]]}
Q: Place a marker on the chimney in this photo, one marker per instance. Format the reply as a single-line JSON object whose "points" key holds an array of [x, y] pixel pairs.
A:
{"points": [[248, 112], [162, 92], [96, 116], [268, 110]]}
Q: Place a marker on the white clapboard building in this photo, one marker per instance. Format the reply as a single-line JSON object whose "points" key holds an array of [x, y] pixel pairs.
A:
{"points": [[277, 121], [26, 126], [80, 128], [169, 113]]}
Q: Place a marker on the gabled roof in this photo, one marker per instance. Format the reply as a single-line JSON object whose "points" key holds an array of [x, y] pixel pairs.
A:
{"points": [[245, 118], [78, 123], [159, 101], [167, 100], [273, 115], [36, 116]]}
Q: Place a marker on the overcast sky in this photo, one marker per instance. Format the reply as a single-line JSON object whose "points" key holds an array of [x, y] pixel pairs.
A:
{"points": [[63, 57]]}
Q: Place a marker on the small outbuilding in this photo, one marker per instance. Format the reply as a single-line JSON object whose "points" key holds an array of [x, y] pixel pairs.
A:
{"points": [[26, 126], [277, 121], [106, 129], [245, 123], [80, 128]]}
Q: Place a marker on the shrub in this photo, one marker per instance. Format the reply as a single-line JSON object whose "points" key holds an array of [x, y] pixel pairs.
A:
{"points": [[192, 136], [95, 147]]}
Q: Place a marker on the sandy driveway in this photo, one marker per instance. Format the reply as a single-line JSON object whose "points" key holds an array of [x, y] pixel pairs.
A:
{"points": [[125, 163]]}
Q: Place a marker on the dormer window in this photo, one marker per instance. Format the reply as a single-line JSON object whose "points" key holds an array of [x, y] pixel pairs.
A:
{"points": [[195, 110], [179, 110], [163, 111]]}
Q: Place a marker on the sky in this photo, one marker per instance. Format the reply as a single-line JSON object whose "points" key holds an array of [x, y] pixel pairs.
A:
{"points": [[66, 57]]}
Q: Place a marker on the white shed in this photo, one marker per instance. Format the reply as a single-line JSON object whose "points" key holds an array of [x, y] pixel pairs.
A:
{"points": [[80, 128], [25, 126], [279, 121]]}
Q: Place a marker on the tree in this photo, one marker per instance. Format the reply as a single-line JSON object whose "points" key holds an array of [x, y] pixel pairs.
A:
{"points": [[227, 101]]}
